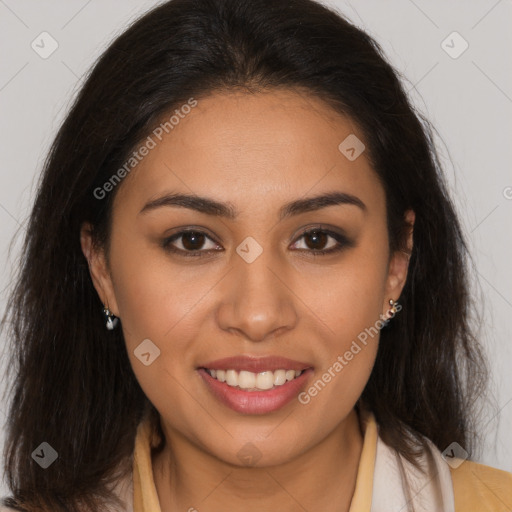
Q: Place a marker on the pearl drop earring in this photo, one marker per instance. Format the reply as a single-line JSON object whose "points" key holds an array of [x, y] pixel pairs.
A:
{"points": [[111, 320]]}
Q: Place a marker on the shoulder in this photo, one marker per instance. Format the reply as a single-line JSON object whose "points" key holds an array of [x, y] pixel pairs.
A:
{"points": [[482, 488]]}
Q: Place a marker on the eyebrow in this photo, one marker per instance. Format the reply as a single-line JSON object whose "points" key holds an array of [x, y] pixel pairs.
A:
{"points": [[210, 206]]}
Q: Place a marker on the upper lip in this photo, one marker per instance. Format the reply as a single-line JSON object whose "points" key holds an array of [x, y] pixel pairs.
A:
{"points": [[255, 364]]}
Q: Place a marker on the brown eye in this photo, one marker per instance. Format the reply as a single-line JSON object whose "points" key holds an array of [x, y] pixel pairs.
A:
{"points": [[190, 243], [193, 240], [317, 242], [316, 239]]}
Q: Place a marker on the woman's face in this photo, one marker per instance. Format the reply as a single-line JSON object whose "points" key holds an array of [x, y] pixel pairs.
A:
{"points": [[251, 283]]}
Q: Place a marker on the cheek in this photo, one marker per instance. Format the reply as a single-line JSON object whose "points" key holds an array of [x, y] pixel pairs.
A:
{"points": [[161, 303], [348, 351], [159, 316], [349, 301], [349, 296], [154, 296]]}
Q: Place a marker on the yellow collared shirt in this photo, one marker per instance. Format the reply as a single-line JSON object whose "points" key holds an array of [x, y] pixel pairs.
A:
{"points": [[476, 487]]}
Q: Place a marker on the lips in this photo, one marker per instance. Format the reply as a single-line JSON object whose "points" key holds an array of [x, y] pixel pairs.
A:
{"points": [[255, 401]]}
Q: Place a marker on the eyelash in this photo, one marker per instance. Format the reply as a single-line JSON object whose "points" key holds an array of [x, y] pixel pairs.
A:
{"points": [[341, 240]]}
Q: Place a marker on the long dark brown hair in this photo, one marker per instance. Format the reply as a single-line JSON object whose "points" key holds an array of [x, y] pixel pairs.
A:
{"points": [[72, 383]]}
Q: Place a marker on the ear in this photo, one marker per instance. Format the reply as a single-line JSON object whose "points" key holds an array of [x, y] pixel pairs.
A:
{"points": [[399, 265], [98, 268]]}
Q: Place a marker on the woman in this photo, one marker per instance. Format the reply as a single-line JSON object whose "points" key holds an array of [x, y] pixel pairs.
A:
{"points": [[244, 285]]}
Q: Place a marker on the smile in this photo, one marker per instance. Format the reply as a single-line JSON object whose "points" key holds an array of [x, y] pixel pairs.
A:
{"points": [[251, 381], [251, 384]]}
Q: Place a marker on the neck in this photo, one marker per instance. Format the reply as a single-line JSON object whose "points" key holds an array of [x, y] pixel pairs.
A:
{"points": [[321, 478]]}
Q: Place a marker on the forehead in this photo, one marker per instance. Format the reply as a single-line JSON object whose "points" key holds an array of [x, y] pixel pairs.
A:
{"points": [[254, 146]]}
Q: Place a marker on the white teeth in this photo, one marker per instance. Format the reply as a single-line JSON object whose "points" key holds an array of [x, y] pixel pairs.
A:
{"points": [[250, 381], [232, 378], [246, 380], [279, 377], [265, 380]]}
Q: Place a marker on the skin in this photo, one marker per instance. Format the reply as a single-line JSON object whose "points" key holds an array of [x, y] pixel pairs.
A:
{"points": [[257, 152]]}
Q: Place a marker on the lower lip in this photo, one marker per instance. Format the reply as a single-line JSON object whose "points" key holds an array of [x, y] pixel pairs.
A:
{"points": [[255, 402]]}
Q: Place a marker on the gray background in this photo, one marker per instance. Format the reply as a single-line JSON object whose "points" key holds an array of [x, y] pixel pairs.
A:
{"points": [[468, 98]]}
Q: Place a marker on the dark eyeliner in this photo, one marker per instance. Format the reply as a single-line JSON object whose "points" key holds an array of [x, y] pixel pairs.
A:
{"points": [[342, 240], [342, 243], [167, 245]]}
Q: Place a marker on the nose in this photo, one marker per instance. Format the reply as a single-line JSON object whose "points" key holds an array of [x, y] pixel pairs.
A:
{"points": [[258, 300]]}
